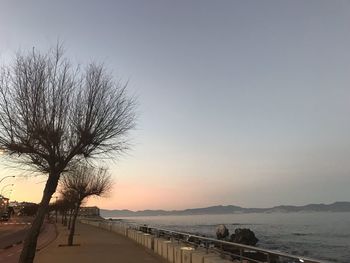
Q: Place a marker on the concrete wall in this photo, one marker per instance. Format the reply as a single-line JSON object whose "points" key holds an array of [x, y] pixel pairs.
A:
{"points": [[171, 251]]}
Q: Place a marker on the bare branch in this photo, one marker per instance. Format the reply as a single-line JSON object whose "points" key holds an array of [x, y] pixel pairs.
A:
{"points": [[84, 181], [52, 113]]}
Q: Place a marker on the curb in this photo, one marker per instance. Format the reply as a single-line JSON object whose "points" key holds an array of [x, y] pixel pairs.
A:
{"points": [[44, 245], [13, 245]]}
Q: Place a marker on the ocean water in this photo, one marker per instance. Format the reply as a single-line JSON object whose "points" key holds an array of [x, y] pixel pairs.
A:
{"points": [[320, 235]]}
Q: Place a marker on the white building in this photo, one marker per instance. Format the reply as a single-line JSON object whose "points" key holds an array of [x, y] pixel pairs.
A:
{"points": [[89, 211]]}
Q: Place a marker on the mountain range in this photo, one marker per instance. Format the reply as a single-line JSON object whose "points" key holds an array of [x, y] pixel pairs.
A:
{"points": [[231, 209]]}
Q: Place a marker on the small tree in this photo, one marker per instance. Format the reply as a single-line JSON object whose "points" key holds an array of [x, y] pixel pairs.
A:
{"points": [[52, 115], [62, 205], [69, 199], [84, 181]]}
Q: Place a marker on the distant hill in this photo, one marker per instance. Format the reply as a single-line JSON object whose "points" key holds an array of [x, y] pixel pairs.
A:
{"points": [[231, 209]]}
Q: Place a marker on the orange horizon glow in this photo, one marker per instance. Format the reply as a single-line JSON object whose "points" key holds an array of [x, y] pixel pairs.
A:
{"points": [[123, 196]]}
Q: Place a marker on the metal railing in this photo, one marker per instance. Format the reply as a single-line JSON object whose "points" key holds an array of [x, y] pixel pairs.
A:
{"points": [[228, 250]]}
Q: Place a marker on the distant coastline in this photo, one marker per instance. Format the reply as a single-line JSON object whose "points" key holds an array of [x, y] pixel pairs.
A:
{"points": [[231, 209]]}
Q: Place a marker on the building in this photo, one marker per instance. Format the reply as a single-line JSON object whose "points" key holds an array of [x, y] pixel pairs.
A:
{"points": [[89, 211], [4, 202]]}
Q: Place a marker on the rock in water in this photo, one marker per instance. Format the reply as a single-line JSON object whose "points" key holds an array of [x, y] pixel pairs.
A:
{"points": [[222, 232], [244, 236]]}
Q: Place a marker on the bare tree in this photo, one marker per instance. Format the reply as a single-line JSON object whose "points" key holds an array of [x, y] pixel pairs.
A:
{"points": [[69, 198], [52, 115], [83, 182], [63, 206]]}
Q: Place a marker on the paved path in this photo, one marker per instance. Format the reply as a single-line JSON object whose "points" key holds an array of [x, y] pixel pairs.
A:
{"points": [[95, 245]]}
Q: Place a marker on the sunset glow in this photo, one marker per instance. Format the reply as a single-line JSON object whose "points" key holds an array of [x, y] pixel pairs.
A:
{"points": [[248, 110]]}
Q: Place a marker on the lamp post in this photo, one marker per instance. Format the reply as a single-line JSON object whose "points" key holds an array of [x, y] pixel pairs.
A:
{"points": [[2, 189], [7, 191], [7, 177]]}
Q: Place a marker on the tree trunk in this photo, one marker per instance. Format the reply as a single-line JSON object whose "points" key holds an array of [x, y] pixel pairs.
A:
{"points": [[70, 218], [64, 218], [72, 229], [30, 242]]}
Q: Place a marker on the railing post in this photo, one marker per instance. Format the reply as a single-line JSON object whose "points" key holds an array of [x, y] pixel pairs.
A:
{"points": [[271, 256]]}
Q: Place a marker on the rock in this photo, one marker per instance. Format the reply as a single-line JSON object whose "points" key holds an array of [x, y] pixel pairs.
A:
{"points": [[144, 228], [222, 232], [244, 236]]}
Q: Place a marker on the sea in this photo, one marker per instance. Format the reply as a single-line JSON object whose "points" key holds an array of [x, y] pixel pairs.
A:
{"points": [[319, 235]]}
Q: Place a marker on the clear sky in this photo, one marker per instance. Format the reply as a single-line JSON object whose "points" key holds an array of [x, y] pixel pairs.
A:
{"points": [[240, 102]]}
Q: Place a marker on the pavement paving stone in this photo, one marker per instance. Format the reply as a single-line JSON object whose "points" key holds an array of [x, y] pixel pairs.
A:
{"points": [[95, 245]]}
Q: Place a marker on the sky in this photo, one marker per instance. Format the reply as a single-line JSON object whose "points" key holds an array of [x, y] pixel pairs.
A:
{"points": [[239, 102]]}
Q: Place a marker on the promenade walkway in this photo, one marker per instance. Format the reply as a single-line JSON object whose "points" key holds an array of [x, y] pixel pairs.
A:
{"points": [[95, 245]]}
